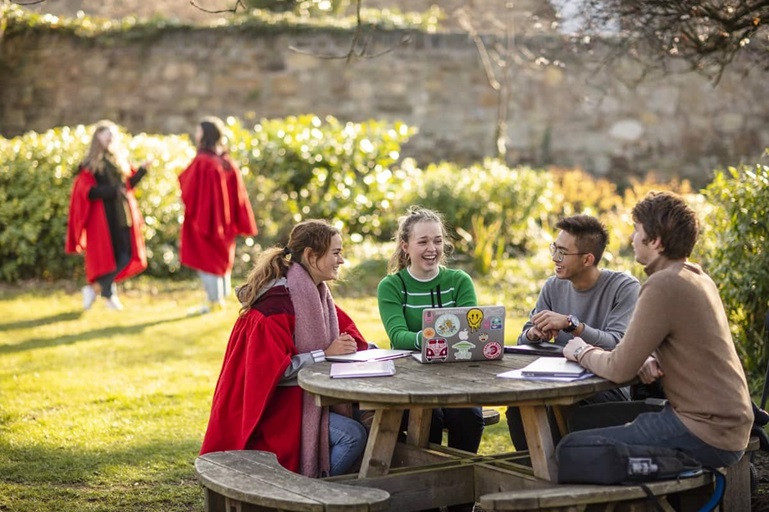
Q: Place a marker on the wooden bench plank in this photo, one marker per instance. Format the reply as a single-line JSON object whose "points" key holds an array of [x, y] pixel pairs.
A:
{"points": [[565, 495], [255, 477]]}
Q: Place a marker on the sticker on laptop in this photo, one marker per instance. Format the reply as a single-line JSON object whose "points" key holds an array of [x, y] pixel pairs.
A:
{"points": [[447, 325]]}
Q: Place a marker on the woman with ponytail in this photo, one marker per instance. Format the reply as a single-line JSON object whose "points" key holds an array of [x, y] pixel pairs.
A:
{"points": [[288, 321]]}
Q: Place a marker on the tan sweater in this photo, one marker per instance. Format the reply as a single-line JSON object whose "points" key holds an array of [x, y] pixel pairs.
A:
{"points": [[680, 319]]}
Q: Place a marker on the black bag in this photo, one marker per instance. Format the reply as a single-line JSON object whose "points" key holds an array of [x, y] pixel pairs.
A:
{"points": [[595, 459]]}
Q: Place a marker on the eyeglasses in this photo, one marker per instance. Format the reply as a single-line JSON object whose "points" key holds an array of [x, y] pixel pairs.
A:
{"points": [[558, 254]]}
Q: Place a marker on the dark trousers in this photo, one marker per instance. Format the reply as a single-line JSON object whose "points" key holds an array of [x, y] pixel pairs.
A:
{"points": [[515, 423], [122, 253]]}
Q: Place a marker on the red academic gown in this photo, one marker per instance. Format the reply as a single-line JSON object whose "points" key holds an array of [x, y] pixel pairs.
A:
{"points": [[88, 231], [250, 411], [216, 211]]}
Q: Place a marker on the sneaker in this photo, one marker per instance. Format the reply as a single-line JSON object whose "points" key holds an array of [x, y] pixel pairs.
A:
{"points": [[198, 310], [89, 295], [114, 303]]}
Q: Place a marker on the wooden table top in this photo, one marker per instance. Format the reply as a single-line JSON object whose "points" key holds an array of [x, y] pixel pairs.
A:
{"points": [[458, 384]]}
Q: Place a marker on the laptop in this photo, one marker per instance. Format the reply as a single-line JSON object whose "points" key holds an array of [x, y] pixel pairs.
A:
{"points": [[543, 348], [461, 334]]}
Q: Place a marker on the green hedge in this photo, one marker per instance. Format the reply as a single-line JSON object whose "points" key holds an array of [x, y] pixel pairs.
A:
{"points": [[295, 168]]}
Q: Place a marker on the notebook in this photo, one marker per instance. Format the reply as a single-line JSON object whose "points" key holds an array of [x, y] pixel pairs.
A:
{"points": [[536, 349], [472, 333], [372, 354], [553, 367], [362, 369]]}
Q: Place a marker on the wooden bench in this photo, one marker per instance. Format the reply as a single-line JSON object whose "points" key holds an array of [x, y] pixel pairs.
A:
{"points": [[632, 498], [490, 417], [251, 481], [574, 498], [737, 493]]}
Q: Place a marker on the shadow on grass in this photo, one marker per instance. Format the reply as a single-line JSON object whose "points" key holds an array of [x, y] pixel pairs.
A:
{"points": [[69, 339], [38, 322]]}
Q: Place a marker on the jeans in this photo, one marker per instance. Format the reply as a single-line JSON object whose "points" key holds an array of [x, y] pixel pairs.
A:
{"points": [[665, 429], [216, 287], [347, 440]]}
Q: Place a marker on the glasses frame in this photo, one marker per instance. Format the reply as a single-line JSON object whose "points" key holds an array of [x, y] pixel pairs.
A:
{"points": [[558, 254]]}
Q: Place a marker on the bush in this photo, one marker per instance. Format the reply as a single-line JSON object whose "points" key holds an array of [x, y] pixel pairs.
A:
{"points": [[738, 260], [295, 168], [494, 210]]}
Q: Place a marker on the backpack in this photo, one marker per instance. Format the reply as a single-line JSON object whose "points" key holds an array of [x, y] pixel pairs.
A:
{"points": [[595, 459]]}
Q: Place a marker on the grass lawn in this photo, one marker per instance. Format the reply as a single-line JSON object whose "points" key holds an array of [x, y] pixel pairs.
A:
{"points": [[104, 410]]}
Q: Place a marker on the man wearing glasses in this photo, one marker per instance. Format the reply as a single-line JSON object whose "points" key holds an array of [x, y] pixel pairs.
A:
{"points": [[582, 300]]}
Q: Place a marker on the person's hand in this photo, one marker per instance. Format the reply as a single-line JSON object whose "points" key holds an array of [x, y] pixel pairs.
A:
{"points": [[548, 323], [344, 344], [572, 346], [650, 371]]}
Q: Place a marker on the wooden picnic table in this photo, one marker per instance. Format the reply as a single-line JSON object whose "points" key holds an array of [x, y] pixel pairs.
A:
{"points": [[419, 388]]}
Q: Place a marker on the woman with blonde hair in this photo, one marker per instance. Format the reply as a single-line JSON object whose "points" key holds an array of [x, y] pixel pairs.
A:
{"points": [[104, 221], [418, 279], [288, 321]]}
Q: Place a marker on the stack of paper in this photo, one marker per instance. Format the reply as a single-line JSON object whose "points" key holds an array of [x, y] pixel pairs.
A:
{"points": [[362, 369]]}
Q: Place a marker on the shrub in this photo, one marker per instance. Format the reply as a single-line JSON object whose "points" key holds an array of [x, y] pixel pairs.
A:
{"points": [[494, 210], [738, 235], [295, 168]]}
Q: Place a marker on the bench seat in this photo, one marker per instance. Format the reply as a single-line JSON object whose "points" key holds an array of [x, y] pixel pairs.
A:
{"points": [[579, 497], [250, 480]]}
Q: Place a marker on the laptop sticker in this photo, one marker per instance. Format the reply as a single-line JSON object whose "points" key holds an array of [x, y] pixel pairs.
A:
{"points": [[474, 319], [447, 325]]}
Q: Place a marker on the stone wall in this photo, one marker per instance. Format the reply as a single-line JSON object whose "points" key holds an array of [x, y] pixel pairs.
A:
{"points": [[608, 121]]}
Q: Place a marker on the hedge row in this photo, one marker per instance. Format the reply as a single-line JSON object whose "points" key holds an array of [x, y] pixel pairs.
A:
{"points": [[352, 173]]}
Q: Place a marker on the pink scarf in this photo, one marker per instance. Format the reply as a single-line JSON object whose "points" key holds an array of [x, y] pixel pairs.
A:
{"points": [[316, 327]]}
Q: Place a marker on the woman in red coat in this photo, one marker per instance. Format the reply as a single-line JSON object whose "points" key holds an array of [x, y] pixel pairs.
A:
{"points": [[104, 220], [216, 211], [288, 321]]}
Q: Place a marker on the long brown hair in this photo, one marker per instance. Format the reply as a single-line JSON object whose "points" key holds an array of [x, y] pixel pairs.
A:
{"points": [[97, 154], [273, 263], [400, 259]]}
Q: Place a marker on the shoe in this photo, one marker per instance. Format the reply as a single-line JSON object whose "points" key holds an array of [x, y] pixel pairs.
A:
{"points": [[114, 303], [89, 295], [199, 310]]}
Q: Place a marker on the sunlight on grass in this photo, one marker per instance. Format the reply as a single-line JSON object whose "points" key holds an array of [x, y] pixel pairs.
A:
{"points": [[105, 411]]}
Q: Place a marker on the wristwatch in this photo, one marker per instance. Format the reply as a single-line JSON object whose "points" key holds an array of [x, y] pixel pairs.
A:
{"points": [[578, 352], [573, 323]]}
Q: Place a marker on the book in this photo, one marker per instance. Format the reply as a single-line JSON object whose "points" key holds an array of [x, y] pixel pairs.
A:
{"points": [[362, 369], [536, 349], [552, 367], [372, 354]]}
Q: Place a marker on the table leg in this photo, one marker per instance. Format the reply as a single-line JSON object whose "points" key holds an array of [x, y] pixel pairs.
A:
{"points": [[381, 443], [419, 427], [540, 440]]}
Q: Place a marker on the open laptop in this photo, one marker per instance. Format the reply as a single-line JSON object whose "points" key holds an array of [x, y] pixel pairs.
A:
{"points": [[460, 334]]}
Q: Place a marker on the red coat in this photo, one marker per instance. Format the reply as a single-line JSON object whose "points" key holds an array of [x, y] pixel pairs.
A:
{"points": [[88, 231], [250, 411], [216, 211]]}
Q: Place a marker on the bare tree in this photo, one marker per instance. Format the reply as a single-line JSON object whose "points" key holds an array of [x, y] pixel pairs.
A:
{"points": [[705, 34]]}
